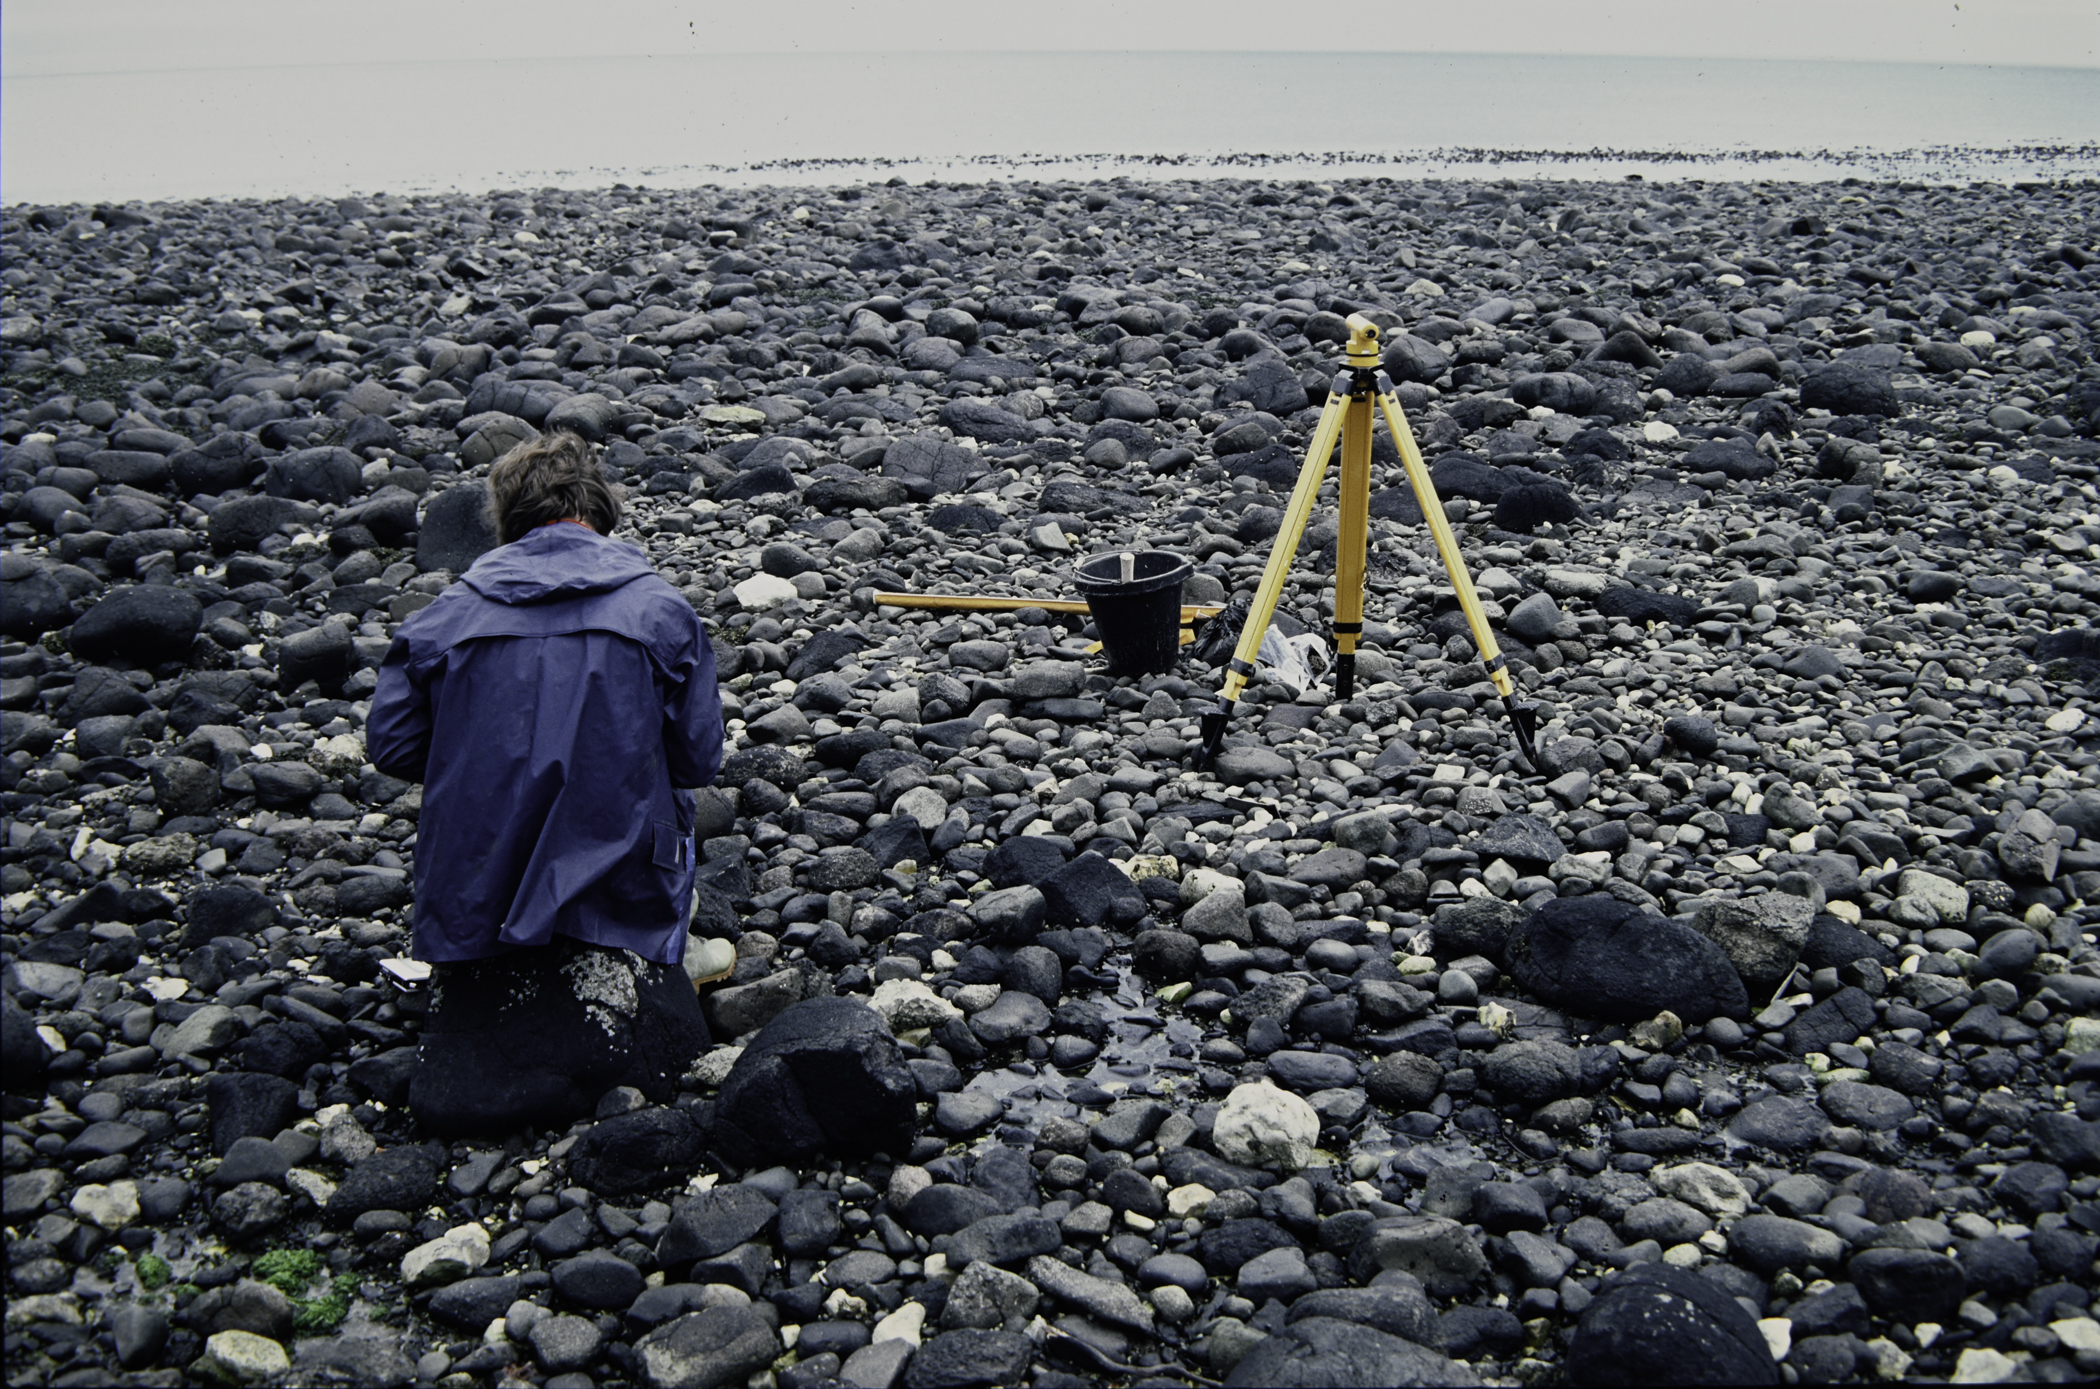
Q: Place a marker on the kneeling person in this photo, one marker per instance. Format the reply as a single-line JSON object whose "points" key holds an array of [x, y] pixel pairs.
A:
{"points": [[554, 703]]}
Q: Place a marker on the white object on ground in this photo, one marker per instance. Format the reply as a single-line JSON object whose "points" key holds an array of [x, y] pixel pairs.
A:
{"points": [[1292, 662], [1262, 1126]]}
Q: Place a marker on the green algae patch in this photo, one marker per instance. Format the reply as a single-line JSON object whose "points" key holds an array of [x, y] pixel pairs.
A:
{"points": [[297, 1273]]}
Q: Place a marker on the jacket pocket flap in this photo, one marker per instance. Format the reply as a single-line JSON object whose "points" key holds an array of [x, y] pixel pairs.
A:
{"points": [[673, 850]]}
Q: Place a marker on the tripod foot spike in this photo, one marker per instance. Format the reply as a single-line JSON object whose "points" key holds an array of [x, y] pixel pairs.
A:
{"points": [[1213, 737], [1524, 722], [1344, 677]]}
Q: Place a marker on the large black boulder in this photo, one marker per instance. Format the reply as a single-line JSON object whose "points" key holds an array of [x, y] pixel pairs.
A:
{"points": [[42, 507], [825, 1075], [1275, 464], [241, 523], [537, 1036], [833, 494], [315, 475], [1730, 457], [1397, 504], [226, 909], [715, 1222], [1065, 494], [968, 1357], [900, 840], [1850, 388], [1642, 605], [282, 1049], [144, 625], [1023, 859], [248, 1104], [1271, 385], [385, 1075], [1328, 1353], [2066, 1139], [1468, 475], [1563, 391], [879, 254], [1687, 374], [23, 1056], [638, 1151], [765, 480], [1913, 1285], [100, 693], [402, 1178], [363, 896], [1602, 958], [370, 431], [472, 1303], [773, 765], [929, 467], [823, 651], [1654, 1324], [1409, 358], [390, 514], [33, 605], [983, 420], [1524, 509], [220, 464], [457, 529], [1166, 955], [284, 784], [961, 518], [320, 654], [129, 467], [531, 401], [1401, 1309], [1091, 891]]}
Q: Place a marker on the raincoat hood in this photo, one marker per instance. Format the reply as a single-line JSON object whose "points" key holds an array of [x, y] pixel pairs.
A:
{"points": [[555, 562]]}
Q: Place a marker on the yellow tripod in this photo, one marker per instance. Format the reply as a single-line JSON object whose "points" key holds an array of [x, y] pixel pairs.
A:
{"points": [[1359, 386]]}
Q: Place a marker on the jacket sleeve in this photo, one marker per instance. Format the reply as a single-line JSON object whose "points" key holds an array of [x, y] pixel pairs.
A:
{"points": [[693, 721], [397, 731]]}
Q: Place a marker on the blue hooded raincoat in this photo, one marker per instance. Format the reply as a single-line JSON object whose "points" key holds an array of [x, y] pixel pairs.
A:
{"points": [[552, 703]]}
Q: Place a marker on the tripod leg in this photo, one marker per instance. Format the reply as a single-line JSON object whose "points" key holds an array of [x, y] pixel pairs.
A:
{"points": [[1350, 544], [1523, 719], [1241, 668]]}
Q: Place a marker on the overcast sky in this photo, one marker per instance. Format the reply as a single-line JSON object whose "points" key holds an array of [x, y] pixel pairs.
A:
{"points": [[42, 37]]}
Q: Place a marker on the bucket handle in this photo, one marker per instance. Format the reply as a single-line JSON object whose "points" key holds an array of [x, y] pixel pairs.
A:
{"points": [[1129, 566]]}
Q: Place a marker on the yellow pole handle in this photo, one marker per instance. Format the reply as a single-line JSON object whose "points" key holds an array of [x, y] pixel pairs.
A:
{"points": [[990, 602]]}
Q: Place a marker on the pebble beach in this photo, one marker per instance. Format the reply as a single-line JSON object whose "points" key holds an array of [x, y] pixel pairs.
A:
{"points": [[1752, 1035]]}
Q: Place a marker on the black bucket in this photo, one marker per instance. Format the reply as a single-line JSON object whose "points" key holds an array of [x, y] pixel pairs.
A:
{"points": [[1135, 597]]}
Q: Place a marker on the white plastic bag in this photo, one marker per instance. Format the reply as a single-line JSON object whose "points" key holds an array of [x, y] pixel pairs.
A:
{"points": [[1295, 663]]}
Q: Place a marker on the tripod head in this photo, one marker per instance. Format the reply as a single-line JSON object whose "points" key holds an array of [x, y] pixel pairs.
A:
{"points": [[1361, 354]]}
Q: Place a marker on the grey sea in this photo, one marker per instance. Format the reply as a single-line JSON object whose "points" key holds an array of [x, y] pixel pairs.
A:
{"points": [[412, 126]]}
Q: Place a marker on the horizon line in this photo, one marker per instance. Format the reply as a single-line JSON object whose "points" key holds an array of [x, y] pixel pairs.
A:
{"points": [[1733, 59]]}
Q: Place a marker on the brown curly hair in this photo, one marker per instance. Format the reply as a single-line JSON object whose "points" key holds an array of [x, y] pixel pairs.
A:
{"points": [[556, 477]]}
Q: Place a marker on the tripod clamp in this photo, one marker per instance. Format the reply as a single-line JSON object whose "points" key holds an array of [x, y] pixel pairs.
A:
{"points": [[1360, 388]]}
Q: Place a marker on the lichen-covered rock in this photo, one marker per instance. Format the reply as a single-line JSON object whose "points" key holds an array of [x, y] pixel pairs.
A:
{"points": [[1262, 1126], [537, 1036]]}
